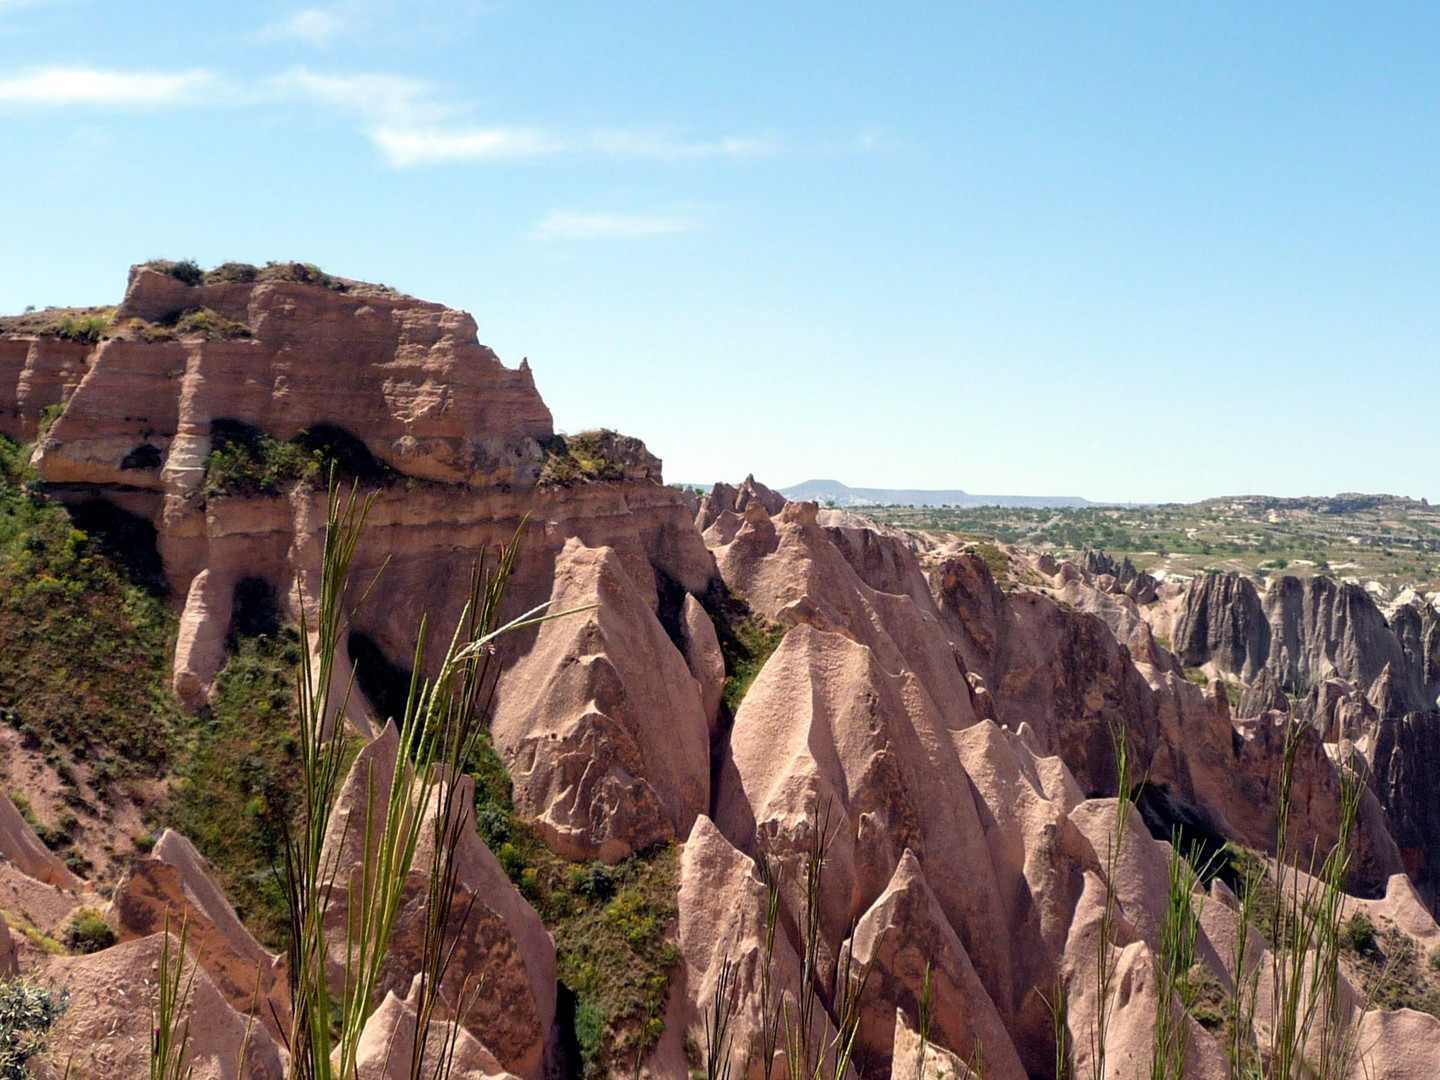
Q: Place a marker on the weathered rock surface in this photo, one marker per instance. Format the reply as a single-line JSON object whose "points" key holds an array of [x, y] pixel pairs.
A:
{"points": [[600, 721], [20, 846], [703, 656], [387, 1045], [504, 958], [826, 735], [722, 930], [405, 376], [1304, 632], [1223, 622], [903, 935], [105, 1033], [174, 887]]}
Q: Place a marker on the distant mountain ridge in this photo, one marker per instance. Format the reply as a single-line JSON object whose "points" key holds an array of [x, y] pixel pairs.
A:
{"points": [[823, 491]]}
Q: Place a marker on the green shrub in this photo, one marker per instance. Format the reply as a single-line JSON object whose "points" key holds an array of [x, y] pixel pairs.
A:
{"points": [[580, 459], [244, 460], [747, 640], [186, 270], [211, 324], [611, 924], [88, 932], [237, 272], [1357, 935], [27, 1012], [86, 329], [48, 415]]}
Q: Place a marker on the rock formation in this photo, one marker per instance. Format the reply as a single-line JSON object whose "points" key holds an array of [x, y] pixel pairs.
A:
{"points": [[948, 742]]}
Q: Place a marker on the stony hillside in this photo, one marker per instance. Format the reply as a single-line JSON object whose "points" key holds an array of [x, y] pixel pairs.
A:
{"points": [[781, 769]]}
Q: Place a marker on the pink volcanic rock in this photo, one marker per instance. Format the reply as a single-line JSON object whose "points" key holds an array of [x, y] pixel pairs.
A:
{"points": [[938, 1063], [405, 376], [1039, 859], [20, 846], [104, 1034], [503, 955], [200, 644], [1399, 1045], [601, 722], [1061, 672], [825, 728], [790, 570], [426, 539], [36, 374], [1141, 873], [703, 656], [174, 886], [1132, 996], [902, 935], [388, 1043], [726, 499], [722, 921]]}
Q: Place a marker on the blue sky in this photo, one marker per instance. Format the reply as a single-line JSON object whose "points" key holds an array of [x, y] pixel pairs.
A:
{"points": [[1132, 252]]}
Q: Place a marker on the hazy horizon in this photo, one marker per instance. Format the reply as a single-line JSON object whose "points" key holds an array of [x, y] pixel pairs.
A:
{"points": [[1126, 253]]}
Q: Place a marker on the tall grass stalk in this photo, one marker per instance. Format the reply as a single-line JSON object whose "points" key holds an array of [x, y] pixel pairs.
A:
{"points": [[1179, 931], [170, 1028], [923, 1023], [808, 1056], [1105, 960], [717, 1023], [770, 1014], [1061, 1025], [1241, 1060]]}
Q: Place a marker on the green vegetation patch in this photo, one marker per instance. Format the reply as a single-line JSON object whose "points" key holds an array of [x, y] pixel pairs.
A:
{"points": [[86, 328], [613, 926], [27, 1013], [244, 460], [1393, 972], [191, 273], [237, 774], [88, 932], [210, 324], [84, 645], [580, 459], [747, 640]]}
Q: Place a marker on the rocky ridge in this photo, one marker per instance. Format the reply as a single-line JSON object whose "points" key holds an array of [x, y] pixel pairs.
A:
{"points": [[952, 738]]}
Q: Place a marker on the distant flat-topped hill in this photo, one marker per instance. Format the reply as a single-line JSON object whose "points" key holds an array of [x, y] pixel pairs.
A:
{"points": [[843, 495]]}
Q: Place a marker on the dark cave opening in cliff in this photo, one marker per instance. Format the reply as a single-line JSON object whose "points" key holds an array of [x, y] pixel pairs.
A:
{"points": [[385, 685], [127, 538], [254, 611]]}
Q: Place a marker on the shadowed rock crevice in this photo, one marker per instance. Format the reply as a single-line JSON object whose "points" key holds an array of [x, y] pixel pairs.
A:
{"points": [[385, 684]]}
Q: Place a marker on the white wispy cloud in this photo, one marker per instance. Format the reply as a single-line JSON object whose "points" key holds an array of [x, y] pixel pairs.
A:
{"points": [[319, 26], [433, 146], [375, 97], [102, 88], [667, 147], [570, 225], [406, 145], [407, 120]]}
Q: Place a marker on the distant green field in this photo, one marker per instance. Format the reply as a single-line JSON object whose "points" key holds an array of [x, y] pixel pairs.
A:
{"points": [[1380, 538]]}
